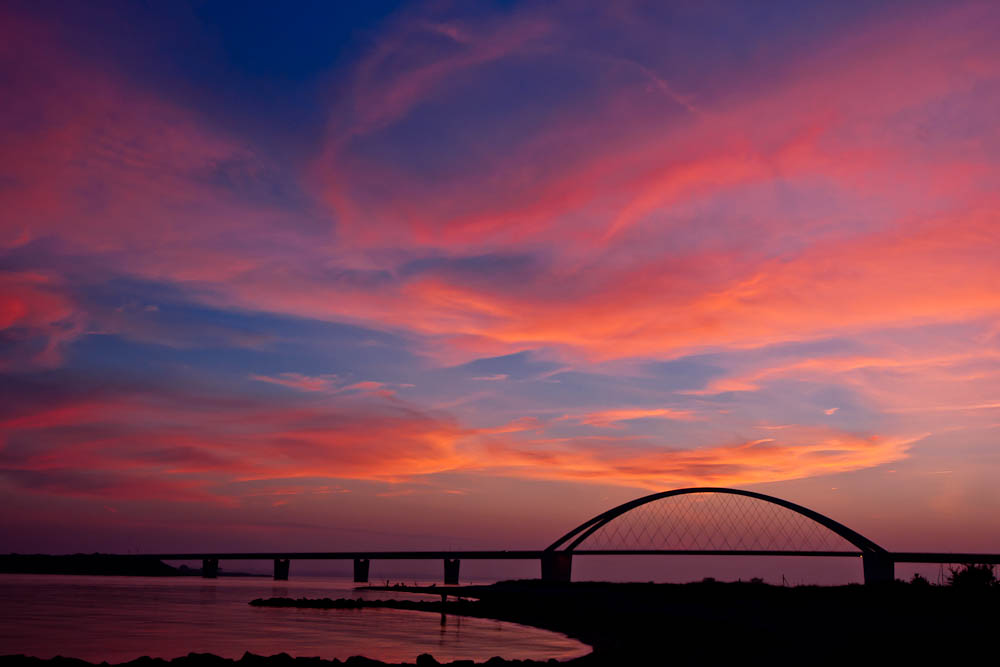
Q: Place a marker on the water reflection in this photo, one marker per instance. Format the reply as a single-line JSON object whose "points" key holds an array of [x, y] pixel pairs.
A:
{"points": [[121, 618], [207, 594]]}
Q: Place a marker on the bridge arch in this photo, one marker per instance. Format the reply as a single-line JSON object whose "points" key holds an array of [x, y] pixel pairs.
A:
{"points": [[878, 564]]}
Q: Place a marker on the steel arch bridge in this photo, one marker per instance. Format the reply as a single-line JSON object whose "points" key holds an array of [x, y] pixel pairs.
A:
{"points": [[703, 521], [714, 521]]}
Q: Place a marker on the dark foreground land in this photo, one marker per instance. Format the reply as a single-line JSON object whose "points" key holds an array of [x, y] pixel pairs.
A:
{"points": [[703, 623]]}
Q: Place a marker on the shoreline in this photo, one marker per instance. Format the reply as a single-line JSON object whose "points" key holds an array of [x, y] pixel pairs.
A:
{"points": [[645, 623], [457, 607]]}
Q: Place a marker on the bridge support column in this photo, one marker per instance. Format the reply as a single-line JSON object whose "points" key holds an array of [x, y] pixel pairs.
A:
{"points": [[361, 570], [451, 566], [557, 566], [281, 567], [879, 568], [210, 568]]}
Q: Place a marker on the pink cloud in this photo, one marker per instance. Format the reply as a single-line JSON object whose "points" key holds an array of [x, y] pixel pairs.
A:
{"points": [[38, 315], [605, 292]]}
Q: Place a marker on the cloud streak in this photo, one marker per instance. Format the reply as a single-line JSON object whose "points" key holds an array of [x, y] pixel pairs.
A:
{"points": [[112, 444]]}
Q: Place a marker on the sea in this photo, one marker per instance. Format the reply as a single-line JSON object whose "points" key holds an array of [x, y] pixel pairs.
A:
{"points": [[117, 619]]}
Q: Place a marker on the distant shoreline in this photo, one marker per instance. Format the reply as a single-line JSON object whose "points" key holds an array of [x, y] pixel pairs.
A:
{"points": [[110, 565]]}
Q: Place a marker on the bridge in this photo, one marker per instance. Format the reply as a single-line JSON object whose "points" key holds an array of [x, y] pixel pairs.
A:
{"points": [[701, 521]]}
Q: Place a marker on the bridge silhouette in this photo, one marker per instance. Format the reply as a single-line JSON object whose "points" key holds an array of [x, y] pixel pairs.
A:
{"points": [[700, 521]]}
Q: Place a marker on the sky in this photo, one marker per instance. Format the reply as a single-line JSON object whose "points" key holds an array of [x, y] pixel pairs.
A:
{"points": [[462, 275]]}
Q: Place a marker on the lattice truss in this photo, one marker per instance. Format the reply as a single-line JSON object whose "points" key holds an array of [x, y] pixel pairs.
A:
{"points": [[715, 521]]}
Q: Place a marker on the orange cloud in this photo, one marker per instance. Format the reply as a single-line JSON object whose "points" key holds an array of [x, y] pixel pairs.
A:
{"points": [[802, 452], [825, 367], [197, 443], [106, 445]]}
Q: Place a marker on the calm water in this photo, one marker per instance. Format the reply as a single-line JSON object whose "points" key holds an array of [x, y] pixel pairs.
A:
{"points": [[121, 618]]}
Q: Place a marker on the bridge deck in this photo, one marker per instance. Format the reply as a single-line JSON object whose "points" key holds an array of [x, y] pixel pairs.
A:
{"points": [[898, 557]]}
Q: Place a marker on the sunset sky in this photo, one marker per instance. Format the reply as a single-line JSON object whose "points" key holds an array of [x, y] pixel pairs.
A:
{"points": [[442, 275]]}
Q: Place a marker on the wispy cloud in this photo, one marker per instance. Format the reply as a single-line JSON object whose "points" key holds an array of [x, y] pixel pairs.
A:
{"points": [[300, 381], [611, 417], [499, 377]]}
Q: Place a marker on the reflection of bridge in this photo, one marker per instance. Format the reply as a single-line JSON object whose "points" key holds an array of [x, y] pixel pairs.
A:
{"points": [[699, 521]]}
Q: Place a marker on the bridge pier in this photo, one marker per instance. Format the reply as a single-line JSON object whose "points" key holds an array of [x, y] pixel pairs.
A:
{"points": [[451, 566], [557, 566], [281, 567], [361, 570], [210, 568], [879, 568]]}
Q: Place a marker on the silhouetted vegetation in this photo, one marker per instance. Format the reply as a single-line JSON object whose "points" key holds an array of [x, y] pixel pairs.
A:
{"points": [[973, 575]]}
